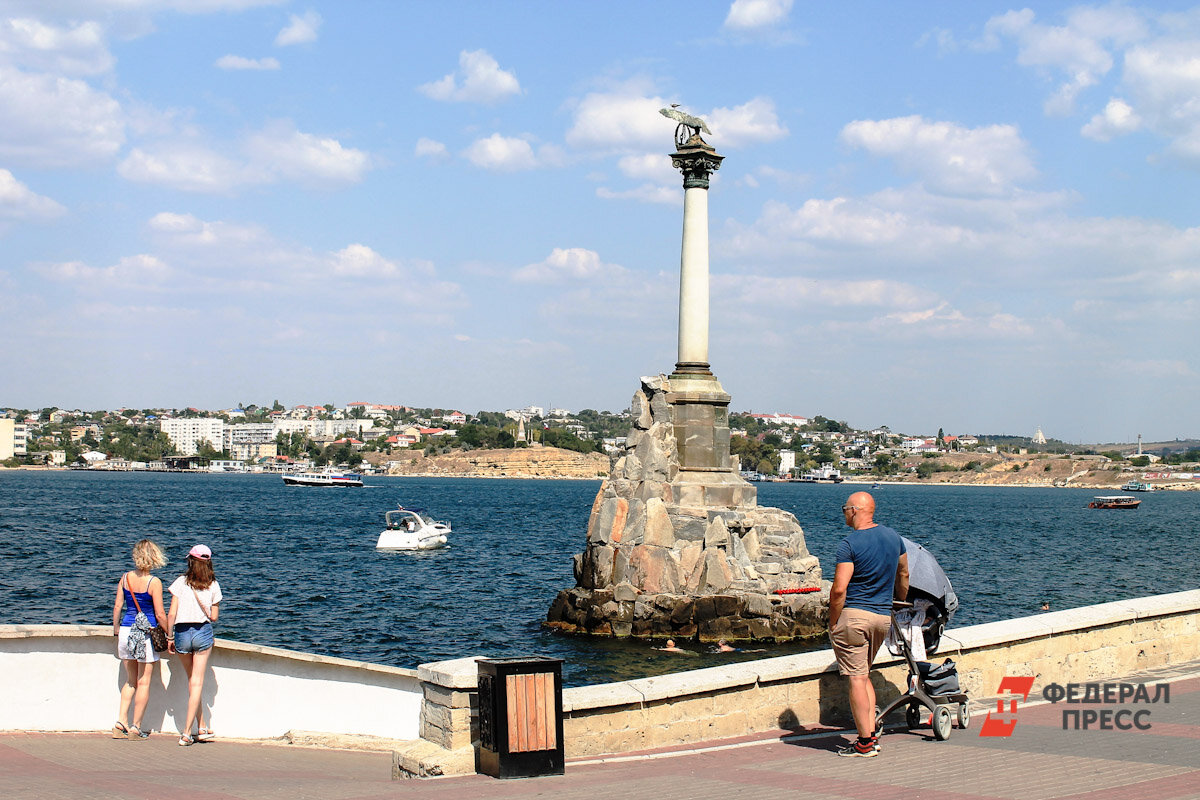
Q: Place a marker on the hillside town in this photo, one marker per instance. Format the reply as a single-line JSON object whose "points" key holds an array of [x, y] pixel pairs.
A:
{"points": [[375, 437]]}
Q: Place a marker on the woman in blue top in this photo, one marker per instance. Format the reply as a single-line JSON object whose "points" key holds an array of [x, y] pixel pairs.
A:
{"points": [[140, 594]]}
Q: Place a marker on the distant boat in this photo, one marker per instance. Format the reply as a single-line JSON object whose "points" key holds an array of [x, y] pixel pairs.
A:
{"points": [[1115, 501], [326, 478], [1137, 486]]}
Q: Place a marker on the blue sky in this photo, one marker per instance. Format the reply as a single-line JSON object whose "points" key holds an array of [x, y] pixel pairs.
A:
{"points": [[975, 216]]}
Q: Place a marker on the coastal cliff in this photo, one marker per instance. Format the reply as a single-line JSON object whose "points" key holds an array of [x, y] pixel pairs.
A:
{"points": [[523, 462]]}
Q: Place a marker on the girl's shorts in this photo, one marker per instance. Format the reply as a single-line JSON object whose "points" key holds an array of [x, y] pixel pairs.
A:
{"points": [[193, 637], [125, 653]]}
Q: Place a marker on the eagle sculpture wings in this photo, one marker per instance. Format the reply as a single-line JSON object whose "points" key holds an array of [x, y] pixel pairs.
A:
{"points": [[695, 123]]}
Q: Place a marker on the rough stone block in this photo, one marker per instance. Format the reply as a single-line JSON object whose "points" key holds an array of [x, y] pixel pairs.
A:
{"points": [[624, 592], [751, 544], [716, 535], [639, 410], [659, 530]]}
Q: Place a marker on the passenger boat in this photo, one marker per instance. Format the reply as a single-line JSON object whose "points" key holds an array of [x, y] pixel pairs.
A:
{"points": [[1137, 486], [411, 529], [326, 478], [1115, 501]]}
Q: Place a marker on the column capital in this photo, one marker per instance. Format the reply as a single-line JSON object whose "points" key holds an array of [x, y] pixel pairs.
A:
{"points": [[697, 159]]}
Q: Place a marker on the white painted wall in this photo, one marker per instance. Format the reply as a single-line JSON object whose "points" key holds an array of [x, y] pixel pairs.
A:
{"points": [[67, 678]]}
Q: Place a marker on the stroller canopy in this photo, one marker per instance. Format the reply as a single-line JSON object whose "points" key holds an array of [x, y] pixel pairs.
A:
{"points": [[926, 576]]}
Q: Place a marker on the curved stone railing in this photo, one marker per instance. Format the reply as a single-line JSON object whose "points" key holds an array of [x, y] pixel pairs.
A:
{"points": [[67, 678], [788, 692]]}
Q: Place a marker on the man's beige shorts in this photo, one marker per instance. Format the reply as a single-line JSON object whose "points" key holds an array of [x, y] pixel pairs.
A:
{"points": [[856, 639]]}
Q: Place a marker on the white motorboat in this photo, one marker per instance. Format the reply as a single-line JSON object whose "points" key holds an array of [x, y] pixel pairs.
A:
{"points": [[411, 529], [327, 478]]}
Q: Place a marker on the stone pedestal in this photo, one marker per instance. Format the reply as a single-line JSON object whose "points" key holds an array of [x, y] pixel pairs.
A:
{"points": [[677, 545]]}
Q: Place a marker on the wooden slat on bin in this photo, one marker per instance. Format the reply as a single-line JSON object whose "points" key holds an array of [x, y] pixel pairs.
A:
{"points": [[514, 713], [531, 707]]}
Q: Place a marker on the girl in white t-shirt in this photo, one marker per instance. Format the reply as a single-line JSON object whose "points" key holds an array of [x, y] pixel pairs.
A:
{"points": [[195, 601]]}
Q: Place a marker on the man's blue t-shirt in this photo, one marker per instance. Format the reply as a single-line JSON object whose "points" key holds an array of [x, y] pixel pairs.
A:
{"points": [[875, 554]]}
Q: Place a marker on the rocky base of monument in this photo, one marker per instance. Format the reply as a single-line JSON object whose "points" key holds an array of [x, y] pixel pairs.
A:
{"points": [[686, 553]]}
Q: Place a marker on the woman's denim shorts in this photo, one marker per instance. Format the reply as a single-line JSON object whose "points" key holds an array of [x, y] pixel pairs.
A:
{"points": [[193, 637]]}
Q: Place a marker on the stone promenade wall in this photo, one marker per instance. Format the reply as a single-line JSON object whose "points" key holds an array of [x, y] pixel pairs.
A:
{"points": [[1082, 644], [67, 678]]}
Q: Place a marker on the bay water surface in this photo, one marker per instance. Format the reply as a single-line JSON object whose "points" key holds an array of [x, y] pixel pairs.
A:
{"points": [[299, 568]]}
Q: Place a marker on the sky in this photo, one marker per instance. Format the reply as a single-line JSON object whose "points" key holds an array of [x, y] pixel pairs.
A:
{"points": [[981, 217]]}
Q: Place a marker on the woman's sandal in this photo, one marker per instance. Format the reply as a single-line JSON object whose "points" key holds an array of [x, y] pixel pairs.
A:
{"points": [[137, 734], [120, 731], [187, 740], [205, 735]]}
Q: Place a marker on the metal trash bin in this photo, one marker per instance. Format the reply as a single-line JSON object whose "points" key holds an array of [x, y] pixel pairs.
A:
{"points": [[520, 717]]}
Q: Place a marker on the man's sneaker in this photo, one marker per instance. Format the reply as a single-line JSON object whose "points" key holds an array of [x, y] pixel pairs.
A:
{"points": [[860, 748]]}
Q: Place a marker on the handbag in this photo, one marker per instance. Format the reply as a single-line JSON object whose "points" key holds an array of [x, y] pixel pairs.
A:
{"points": [[939, 679], [158, 635]]}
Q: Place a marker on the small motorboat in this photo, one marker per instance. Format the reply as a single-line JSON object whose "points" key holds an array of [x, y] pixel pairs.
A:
{"points": [[1115, 501], [411, 529]]}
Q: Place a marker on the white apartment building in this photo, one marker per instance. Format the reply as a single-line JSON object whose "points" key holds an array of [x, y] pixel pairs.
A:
{"points": [[187, 433], [14, 437], [787, 461], [251, 441]]}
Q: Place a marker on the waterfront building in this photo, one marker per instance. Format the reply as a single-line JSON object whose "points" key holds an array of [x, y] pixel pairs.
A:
{"points": [[13, 438], [187, 433], [787, 462]]}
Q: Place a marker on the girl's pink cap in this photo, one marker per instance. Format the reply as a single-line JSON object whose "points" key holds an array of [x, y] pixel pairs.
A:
{"points": [[200, 551]]}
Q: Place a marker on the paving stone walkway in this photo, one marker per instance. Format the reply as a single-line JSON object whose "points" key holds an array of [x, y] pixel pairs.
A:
{"points": [[1039, 761]]}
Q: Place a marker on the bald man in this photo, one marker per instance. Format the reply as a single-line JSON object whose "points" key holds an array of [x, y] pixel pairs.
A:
{"points": [[872, 568]]}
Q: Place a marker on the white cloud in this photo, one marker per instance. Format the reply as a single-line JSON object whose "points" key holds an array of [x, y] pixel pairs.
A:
{"points": [[1079, 49], [294, 155], [277, 152], [188, 231], [649, 166], [501, 154], [18, 202], [747, 15], [1163, 80], [79, 48], [300, 29], [792, 292], [568, 264], [1117, 118], [56, 122], [479, 79], [751, 122], [186, 167], [947, 157], [240, 62], [130, 271], [618, 122], [431, 149], [360, 261]]}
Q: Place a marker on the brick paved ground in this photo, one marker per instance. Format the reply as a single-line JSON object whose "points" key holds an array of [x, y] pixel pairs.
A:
{"points": [[1038, 762]]}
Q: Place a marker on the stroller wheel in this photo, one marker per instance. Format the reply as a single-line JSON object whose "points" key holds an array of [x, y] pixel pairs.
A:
{"points": [[941, 723], [912, 716], [964, 714]]}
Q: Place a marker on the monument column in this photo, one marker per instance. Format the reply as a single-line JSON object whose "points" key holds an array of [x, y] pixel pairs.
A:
{"points": [[697, 160]]}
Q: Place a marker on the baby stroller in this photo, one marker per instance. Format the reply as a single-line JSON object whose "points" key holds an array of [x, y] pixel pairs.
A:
{"points": [[930, 593], [934, 687]]}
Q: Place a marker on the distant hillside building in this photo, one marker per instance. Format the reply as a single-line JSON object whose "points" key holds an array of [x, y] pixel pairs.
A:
{"points": [[187, 434], [14, 437], [1039, 437]]}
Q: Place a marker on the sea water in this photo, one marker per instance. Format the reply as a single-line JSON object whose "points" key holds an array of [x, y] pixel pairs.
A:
{"points": [[299, 568]]}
